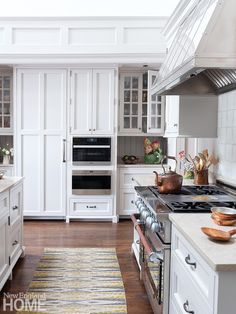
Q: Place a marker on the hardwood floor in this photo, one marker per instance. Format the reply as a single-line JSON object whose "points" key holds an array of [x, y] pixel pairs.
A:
{"points": [[40, 234]]}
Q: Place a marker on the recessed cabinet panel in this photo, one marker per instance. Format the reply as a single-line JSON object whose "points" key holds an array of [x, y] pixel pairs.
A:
{"points": [[54, 101], [103, 101], [30, 101], [30, 170], [54, 178], [81, 98]]}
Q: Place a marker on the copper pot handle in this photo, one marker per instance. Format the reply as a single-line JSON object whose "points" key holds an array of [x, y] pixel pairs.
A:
{"points": [[163, 158], [172, 157]]}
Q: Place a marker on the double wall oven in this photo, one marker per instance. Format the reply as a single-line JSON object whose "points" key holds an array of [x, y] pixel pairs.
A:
{"points": [[94, 151], [91, 150], [154, 229]]}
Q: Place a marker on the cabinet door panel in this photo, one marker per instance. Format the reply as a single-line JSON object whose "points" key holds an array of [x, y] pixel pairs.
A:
{"points": [[30, 170], [155, 107], [40, 149], [172, 114], [54, 101], [54, 178], [30, 100], [4, 248], [81, 110], [127, 202], [103, 101]]}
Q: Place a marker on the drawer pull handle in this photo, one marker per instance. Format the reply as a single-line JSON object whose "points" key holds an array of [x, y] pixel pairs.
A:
{"points": [[185, 306], [187, 261], [91, 206], [15, 243], [14, 207]]}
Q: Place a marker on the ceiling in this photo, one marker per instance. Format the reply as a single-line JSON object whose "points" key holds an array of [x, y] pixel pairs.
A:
{"points": [[52, 8]]}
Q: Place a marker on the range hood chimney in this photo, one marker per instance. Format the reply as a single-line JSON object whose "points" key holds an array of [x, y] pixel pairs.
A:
{"points": [[202, 57]]}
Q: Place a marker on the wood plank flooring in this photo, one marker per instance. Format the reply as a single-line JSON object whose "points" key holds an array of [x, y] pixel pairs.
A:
{"points": [[40, 234]]}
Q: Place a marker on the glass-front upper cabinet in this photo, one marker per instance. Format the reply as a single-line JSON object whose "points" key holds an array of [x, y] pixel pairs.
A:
{"points": [[5, 103], [156, 107], [134, 105]]}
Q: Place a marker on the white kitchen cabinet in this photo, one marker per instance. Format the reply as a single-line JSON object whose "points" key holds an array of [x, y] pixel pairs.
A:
{"points": [[91, 207], [211, 291], [92, 101], [4, 257], [140, 112], [11, 226], [191, 116], [127, 182], [41, 139], [6, 125]]}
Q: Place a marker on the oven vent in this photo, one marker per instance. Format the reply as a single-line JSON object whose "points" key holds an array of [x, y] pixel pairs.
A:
{"points": [[223, 79]]}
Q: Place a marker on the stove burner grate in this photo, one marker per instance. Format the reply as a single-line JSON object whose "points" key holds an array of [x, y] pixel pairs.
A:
{"points": [[189, 206]]}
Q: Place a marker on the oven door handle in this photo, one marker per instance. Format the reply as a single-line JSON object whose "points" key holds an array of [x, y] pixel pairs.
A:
{"points": [[91, 146], [154, 257]]}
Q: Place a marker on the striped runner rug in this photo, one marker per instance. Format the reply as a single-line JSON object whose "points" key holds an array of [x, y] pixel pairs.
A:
{"points": [[77, 280]]}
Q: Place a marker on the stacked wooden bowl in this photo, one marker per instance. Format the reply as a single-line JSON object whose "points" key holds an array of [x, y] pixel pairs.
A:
{"points": [[224, 216]]}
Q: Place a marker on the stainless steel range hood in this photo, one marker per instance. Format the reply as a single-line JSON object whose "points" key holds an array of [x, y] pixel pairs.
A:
{"points": [[202, 56]]}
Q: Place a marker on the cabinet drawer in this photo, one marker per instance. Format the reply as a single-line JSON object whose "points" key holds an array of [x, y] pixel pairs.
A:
{"points": [[4, 204], [15, 242], [15, 204], [127, 175], [184, 292], [127, 202], [91, 207], [202, 274]]}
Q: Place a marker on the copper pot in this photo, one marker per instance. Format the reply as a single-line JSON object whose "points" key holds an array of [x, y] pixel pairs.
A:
{"points": [[169, 182]]}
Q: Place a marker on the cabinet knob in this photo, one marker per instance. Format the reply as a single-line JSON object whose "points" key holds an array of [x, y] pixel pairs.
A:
{"points": [[132, 202], [94, 129], [15, 243], [149, 128], [90, 129], [14, 207], [175, 124], [140, 129]]}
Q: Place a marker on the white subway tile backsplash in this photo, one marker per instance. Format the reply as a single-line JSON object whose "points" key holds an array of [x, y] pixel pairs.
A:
{"points": [[226, 142]]}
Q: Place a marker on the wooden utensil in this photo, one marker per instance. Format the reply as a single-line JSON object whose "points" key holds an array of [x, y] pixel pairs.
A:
{"points": [[217, 234]]}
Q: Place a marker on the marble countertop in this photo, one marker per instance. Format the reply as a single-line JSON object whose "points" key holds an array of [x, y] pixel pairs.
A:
{"points": [[220, 256], [8, 182]]}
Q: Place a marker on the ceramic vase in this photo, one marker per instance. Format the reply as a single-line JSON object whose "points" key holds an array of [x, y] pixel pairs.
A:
{"points": [[201, 177], [6, 160]]}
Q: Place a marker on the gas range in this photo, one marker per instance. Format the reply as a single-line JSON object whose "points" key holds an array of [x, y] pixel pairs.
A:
{"points": [[154, 208]]}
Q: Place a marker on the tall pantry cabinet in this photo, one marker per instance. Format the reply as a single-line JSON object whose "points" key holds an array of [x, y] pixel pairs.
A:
{"points": [[41, 98]]}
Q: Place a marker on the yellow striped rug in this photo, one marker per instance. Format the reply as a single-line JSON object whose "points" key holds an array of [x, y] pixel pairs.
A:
{"points": [[77, 280]]}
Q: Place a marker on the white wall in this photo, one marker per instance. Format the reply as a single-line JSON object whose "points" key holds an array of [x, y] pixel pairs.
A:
{"points": [[226, 142]]}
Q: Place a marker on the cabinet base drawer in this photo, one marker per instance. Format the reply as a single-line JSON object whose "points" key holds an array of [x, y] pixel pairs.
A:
{"points": [[15, 243], [91, 207], [184, 294]]}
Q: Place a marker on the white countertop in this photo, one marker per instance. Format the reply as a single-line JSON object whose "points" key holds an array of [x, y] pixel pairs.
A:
{"points": [[7, 182], [221, 256]]}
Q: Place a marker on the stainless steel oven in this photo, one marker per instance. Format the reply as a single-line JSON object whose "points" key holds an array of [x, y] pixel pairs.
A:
{"points": [[88, 182], [155, 266], [91, 150]]}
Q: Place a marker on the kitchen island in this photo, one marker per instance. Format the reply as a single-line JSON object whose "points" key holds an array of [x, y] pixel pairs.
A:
{"points": [[207, 266], [11, 225]]}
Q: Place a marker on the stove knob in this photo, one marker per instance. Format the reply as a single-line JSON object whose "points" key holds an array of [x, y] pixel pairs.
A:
{"points": [[156, 227], [141, 208], [138, 203], [149, 221], [145, 214]]}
